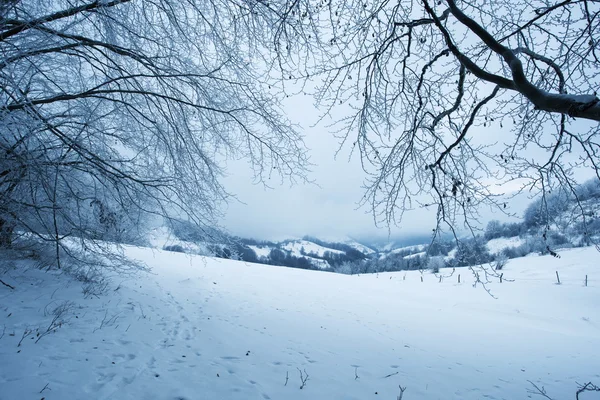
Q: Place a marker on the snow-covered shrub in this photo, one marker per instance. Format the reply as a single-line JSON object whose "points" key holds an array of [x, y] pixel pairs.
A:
{"points": [[345, 268], [515, 252], [589, 189], [500, 261], [471, 251], [435, 263], [542, 212]]}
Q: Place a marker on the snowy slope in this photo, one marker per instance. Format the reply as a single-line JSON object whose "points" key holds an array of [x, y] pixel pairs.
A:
{"points": [[498, 244], [162, 237], [358, 246], [203, 328], [316, 262], [300, 248], [414, 248], [261, 251], [415, 255], [347, 240]]}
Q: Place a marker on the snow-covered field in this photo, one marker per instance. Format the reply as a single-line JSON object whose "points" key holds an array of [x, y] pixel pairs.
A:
{"points": [[203, 328]]}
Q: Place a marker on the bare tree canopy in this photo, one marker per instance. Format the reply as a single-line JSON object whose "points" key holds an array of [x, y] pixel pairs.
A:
{"points": [[114, 109], [452, 99]]}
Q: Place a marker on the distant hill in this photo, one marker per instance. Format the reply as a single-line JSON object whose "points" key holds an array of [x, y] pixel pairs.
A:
{"points": [[561, 220]]}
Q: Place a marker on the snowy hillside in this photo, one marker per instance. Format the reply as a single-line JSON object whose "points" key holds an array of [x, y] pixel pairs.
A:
{"points": [[306, 253], [499, 244], [262, 252], [349, 241], [301, 248], [204, 328], [412, 249]]}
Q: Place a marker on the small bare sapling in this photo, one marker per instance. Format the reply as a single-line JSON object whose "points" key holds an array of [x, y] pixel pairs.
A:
{"points": [[303, 377]]}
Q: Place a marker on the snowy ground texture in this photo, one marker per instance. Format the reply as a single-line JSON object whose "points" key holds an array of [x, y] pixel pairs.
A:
{"points": [[202, 328]]}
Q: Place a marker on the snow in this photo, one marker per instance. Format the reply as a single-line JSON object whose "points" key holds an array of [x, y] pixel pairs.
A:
{"points": [[415, 255], [349, 241], [198, 327], [316, 262], [161, 237], [498, 244], [451, 254], [358, 246], [261, 251], [296, 247], [416, 248]]}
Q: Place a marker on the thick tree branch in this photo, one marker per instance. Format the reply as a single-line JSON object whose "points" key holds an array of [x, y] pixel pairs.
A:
{"points": [[463, 59], [20, 26], [424, 21], [583, 106], [549, 62]]}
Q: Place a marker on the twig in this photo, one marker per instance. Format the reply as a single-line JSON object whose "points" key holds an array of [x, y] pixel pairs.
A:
{"points": [[6, 284], [45, 387], [588, 387], [3, 330], [392, 374], [303, 377], [107, 321], [287, 377], [478, 280], [402, 389], [541, 391], [356, 373], [57, 321], [26, 332], [54, 325]]}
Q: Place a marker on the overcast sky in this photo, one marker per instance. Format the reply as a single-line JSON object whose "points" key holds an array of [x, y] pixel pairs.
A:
{"points": [[329, 210]]}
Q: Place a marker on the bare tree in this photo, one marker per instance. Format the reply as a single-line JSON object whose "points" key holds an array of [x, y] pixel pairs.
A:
{"points": [[113, 110], [445, 99]]}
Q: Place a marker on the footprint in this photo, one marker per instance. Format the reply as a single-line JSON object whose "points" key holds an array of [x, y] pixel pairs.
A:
{"points": [[104, 378]]}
